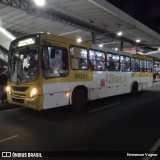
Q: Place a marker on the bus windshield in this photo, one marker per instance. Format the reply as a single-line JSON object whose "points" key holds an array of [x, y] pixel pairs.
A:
{"points": [[23, 65]]}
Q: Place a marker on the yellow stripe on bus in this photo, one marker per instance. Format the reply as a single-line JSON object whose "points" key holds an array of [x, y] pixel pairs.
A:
{"points": [[142, 74], [74, 76], [81, 76]]}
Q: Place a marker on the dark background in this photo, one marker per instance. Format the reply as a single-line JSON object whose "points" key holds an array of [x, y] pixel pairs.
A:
{"points": [[145, 11]]}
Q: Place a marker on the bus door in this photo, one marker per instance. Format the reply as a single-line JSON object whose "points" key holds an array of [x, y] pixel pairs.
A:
{"points": [[55, 73], [98, 68]]}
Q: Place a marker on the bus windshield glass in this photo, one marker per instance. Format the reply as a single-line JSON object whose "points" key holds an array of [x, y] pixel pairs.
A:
{"points": [[23, 65]]}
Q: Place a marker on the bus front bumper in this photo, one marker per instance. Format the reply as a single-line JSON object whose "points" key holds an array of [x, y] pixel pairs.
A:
{"points": [[34, 103]]}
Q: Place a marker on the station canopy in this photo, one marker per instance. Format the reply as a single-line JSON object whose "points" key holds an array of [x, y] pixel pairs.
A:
{"points": [[95, 21]]}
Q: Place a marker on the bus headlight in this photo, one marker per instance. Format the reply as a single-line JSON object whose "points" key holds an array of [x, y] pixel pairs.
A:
{"points": [[8, 88], [33, 92]]}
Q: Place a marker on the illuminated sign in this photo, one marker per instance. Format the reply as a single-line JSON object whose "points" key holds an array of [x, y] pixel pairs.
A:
{"points": [[26, 42]]}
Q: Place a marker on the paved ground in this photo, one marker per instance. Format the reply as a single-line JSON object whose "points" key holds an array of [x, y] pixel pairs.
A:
{"points": [[115, 125]]}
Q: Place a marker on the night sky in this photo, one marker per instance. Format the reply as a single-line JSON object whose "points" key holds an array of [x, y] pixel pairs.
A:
{"points": [[145, 11]]}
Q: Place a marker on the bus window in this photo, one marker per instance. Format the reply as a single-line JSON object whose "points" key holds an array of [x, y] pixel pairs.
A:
{"points": [[134, 65], [79, 58], [24, 65], [55, 62], [125, 63], [143, 65], [97, 60], [45, 58], [149, 66], [113, 62], [52, 55]]}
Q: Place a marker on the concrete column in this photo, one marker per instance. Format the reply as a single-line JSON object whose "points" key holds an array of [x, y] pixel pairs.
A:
{"points": [[121, 46], [93, 37]]}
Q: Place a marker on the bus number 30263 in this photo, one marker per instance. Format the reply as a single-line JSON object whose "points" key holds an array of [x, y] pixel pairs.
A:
{"points": [[80, 76]]}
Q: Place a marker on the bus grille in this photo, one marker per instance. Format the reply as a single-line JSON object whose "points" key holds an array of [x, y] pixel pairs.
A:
{"points": [[21, 89], [21, 101], [19, 95]]}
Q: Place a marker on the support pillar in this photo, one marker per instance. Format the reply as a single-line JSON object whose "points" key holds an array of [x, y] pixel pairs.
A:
{"points": [[121, 46], [93, 37]]}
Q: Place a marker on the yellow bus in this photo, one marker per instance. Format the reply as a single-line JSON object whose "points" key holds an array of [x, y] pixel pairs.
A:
{"points": [[47, 71]]}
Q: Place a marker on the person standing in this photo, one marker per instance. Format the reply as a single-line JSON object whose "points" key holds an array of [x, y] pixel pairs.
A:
{"points": [[3, 84]]}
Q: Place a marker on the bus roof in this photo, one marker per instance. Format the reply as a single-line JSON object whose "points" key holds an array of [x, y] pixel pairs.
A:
{"points": [[55, 38], [52, 37]]}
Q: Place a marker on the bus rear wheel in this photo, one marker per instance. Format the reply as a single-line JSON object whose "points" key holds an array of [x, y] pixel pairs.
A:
{"points": [[134, 89], [78, 99]]}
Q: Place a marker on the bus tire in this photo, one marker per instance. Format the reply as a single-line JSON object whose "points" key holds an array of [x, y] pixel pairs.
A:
{"points": [[134, 89], [78, 99]]}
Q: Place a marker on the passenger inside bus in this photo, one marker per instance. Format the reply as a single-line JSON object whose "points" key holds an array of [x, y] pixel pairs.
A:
{"points": [[55, 61], [82, 64], [92, 64], [33, 63], [116, 66], [110, 64], [134, 65], [125, 63], [101, 66]]}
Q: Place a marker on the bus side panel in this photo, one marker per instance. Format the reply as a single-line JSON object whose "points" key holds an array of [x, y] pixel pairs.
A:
{"points": [[55, 94], [99, 84], [80, 78], [150, 79], [128, 82], [135, 78], [144, 79], [118, 83]]}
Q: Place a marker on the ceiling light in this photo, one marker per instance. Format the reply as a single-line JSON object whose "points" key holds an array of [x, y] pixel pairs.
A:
{"points": [[39, 2], [7, 33], [119, 33], [79, 40], [100, 45], [116, 49], [138, 40]]}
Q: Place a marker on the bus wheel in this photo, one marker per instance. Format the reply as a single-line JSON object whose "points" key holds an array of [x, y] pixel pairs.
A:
{"points": [[134, 89], [78, 99]]}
